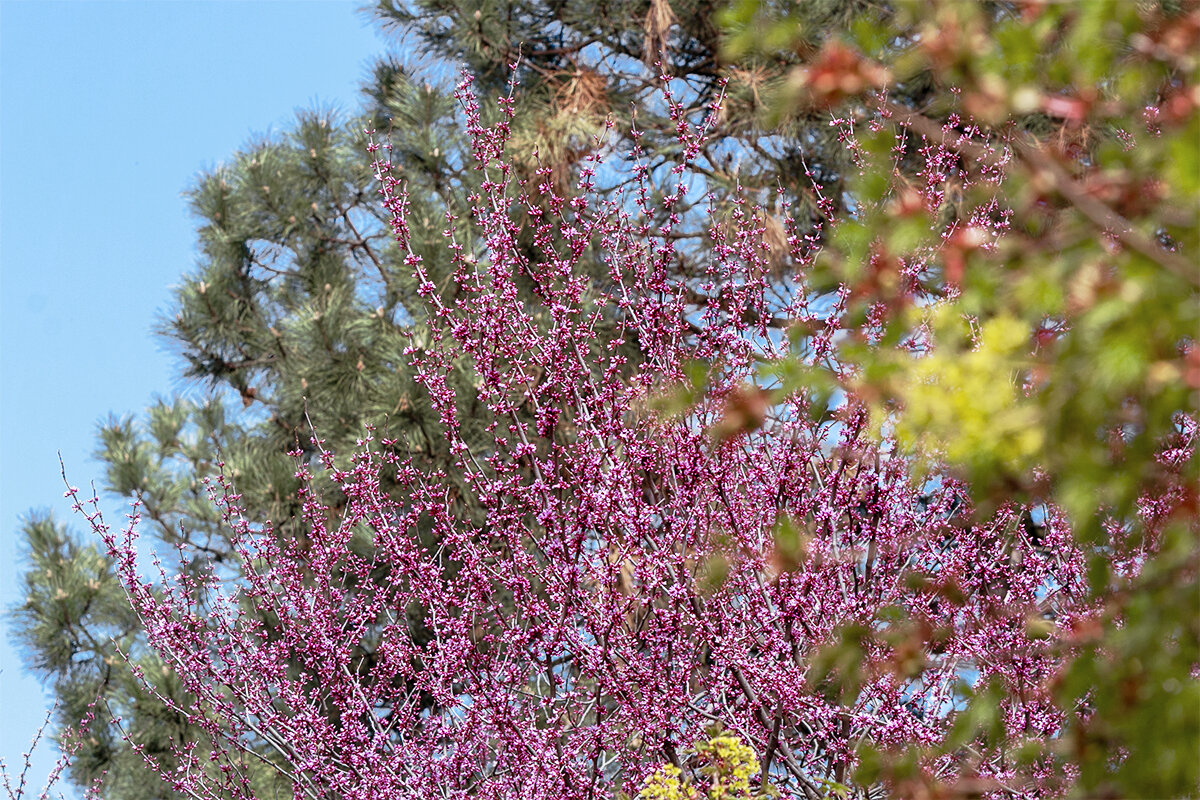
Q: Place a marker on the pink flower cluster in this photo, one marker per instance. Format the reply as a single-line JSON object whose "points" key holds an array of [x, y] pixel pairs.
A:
{"points": [[615, 584]]}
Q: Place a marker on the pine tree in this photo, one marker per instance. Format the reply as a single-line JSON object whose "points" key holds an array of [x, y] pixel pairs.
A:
{"points": [[296, 321]]}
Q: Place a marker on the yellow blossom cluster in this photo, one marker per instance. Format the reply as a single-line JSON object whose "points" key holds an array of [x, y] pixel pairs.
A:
{"points": [[666, 784], [726, 763], [730, 763]]}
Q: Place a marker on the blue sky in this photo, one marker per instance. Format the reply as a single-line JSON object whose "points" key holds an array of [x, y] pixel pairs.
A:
{"points": [[108, 111]]}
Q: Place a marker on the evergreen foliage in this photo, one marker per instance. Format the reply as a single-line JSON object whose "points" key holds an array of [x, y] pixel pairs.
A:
{"points": [[296, 320]]}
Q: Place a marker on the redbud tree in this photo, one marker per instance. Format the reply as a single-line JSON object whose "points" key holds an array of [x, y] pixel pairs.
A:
{"points": [[662, 544]]}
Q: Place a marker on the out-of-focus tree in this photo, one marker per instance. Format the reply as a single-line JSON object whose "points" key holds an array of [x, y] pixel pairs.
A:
{"points": [[1033, 300]]}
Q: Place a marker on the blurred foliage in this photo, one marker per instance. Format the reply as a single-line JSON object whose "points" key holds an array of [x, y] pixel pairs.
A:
{"points": [[1046, 346]]}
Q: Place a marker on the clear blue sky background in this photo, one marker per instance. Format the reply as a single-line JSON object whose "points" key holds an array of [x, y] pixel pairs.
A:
{"points": [[108, 111]]}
